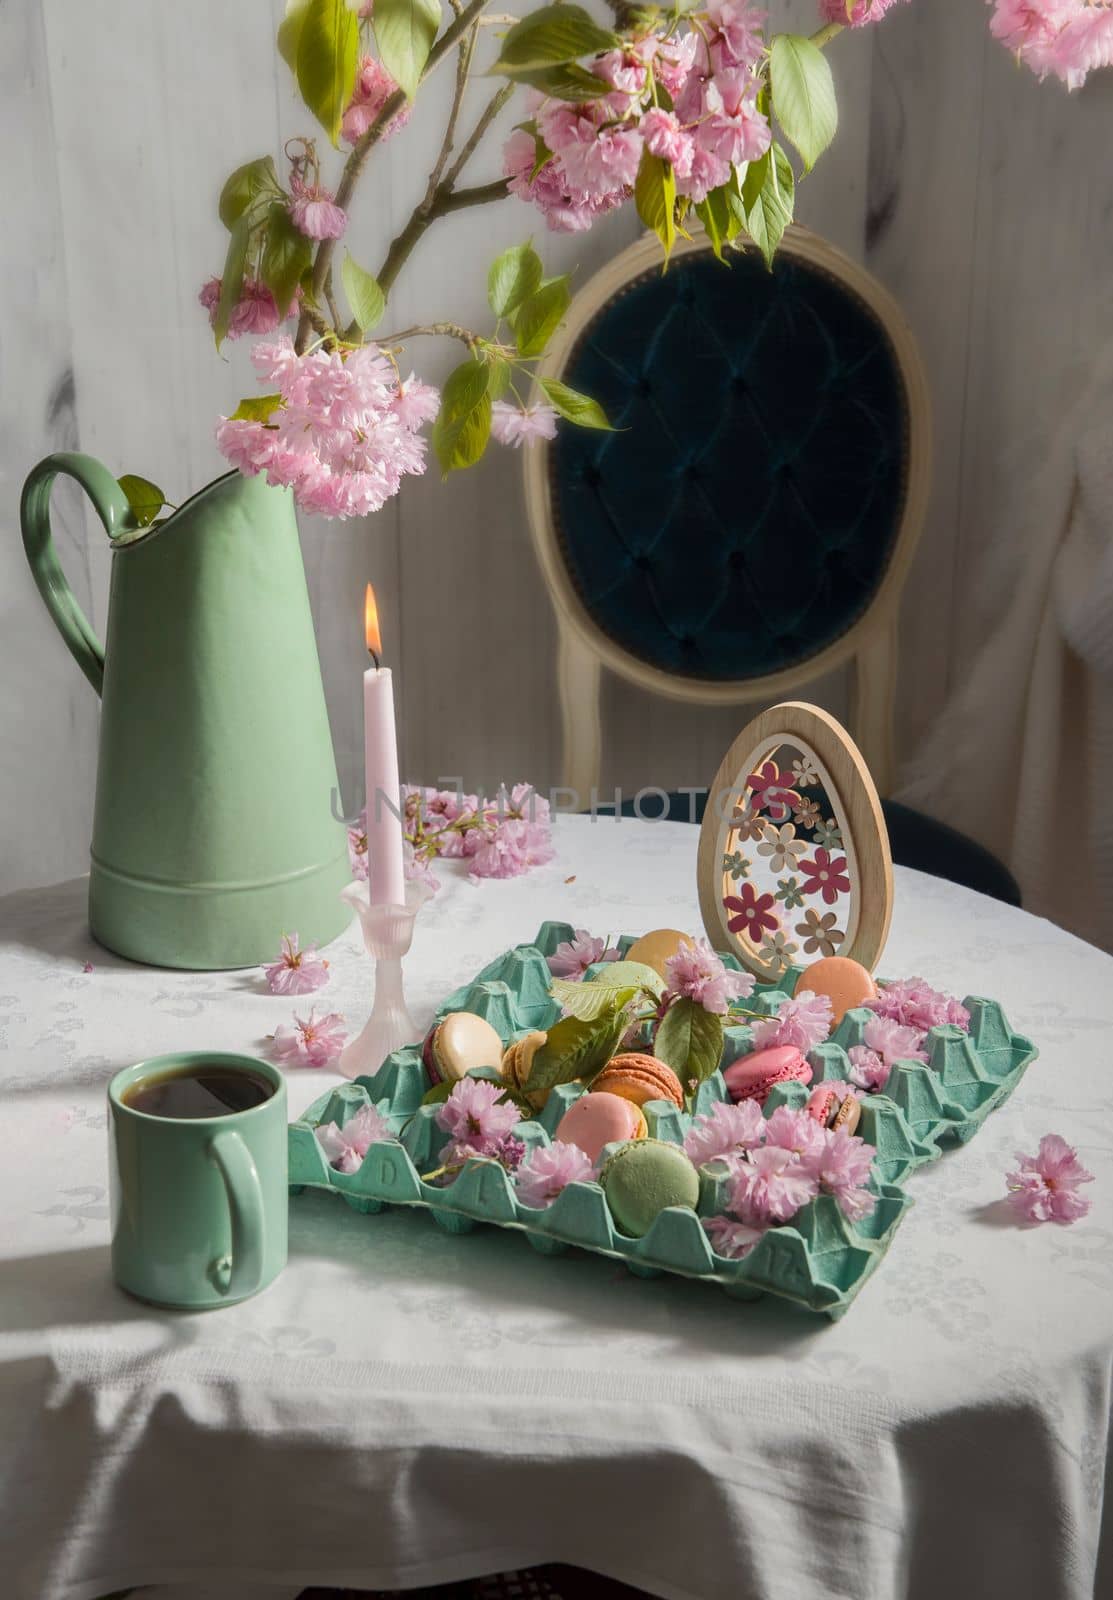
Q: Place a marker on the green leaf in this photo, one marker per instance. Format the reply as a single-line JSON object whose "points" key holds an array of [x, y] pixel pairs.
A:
{"points": [[404, 31], [538, 317], [286, 254], [567, 81], [617, 974], [500, 377], [512, 278], [587, 1003], [245, 186], [655, 198], [231, 280], [549, 37], [767, 196], [257, 408], [803, 94], [146, 499], [574, 406], [574, 1049], [289, 32], [328, 56], [367, 300], [438, 1094], [463, 423], [690, 1041]]}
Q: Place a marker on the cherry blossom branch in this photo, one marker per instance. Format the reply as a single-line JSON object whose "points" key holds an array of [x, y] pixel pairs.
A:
{"points": [[439, 202], [823, 36], [444, 330], [354, 165]]}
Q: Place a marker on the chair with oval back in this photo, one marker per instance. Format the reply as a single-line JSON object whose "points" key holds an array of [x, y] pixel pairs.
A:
{"points": [[750, 523]]}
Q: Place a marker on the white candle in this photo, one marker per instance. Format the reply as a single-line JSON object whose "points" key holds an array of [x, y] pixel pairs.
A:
{"points": [[380, 765]]}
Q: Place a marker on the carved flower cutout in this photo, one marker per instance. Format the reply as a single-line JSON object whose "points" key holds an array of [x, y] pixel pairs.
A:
{"points": [[826, 876], [777, 952], [752, 914], [782, 847], [821, 934], [737, 864]]}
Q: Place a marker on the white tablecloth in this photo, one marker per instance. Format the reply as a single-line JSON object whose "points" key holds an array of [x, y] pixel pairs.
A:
{"points": [[405, 1407]]}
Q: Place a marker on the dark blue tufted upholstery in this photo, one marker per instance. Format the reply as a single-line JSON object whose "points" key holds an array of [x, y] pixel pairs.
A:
{"points": [[743, 518]]}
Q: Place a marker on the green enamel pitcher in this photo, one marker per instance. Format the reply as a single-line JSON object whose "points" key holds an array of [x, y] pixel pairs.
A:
{"points": [[213, 831]]}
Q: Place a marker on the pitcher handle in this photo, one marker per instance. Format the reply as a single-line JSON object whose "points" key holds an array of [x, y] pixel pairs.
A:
{"points": [[114, 512]]}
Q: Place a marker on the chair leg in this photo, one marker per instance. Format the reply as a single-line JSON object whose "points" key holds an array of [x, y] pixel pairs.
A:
{"points": [[874, 686], [578, 675]]}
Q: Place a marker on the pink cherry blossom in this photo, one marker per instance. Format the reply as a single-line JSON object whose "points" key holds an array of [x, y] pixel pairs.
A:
{"points": [[705, 172], [867, 1069], [296, 971], [549, 189], [770, 1186], [840, 1164], [572, 957], [893, 1042], [917, 1005], [803, 1021], [599, 168], [254, 312], [87, 966], [724, 1132], [418, 868], [476, 1116], [346, 1146], [1044, 1187], [314, 212], [373, 88], [313, 1041], [338, 439], [736, 38], [416, 403], [695, 972], [517, 425], [861, 12], [548, 1170], [731, 1239], [795, 1131], [666, 139], [674, 61], [513, 848], [357, 852], [508, 1150]]}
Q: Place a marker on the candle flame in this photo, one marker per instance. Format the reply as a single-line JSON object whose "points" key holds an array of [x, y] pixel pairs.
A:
{"points": [[371, 624]]}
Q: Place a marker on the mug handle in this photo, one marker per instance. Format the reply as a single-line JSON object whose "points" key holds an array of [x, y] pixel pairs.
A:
{"points": [[245, 1205], [113, 510]]}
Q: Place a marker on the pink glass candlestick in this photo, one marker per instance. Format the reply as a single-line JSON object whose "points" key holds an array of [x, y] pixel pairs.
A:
{"points": [[388, 933]]}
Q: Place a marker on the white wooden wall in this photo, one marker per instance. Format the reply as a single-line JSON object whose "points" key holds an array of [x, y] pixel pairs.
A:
{"points": [[980, 198]]}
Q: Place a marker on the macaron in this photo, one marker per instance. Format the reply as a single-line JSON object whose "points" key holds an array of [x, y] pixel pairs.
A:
{"points": [[641, 1179], [639, 1078], [834, 1106], [654, 949], [517, 1061], [846, 984], [751, 1077], [459, 1043], [595, 1120]]}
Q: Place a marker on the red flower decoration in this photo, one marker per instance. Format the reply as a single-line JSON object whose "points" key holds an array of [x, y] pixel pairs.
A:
{"points": [[825, 876], [753, 913], [771, 792]]}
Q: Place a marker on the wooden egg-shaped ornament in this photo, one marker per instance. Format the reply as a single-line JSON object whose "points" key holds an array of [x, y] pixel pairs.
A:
{"points": [[794, 862]]}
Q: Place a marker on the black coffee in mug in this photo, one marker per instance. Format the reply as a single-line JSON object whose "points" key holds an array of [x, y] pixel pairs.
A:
{"points": [[187, 1093]]}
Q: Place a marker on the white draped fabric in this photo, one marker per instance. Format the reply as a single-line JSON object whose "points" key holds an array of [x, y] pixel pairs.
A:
{"points": [[404, 1407]]}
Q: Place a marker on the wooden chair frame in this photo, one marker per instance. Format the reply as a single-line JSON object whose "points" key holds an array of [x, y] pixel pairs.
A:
{"points": [[584, 649]]}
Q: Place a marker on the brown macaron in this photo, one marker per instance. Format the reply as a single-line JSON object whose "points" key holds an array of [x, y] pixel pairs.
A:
{"points": [[848, 1115], [639, 1078], [516, 1063]]}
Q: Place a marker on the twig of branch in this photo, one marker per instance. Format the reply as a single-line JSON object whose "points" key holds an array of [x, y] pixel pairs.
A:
{"points": [[363, 147]]}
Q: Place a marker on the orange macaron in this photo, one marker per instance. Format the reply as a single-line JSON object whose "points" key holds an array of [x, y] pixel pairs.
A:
{"points": [[639, 1078], [846, 984]]}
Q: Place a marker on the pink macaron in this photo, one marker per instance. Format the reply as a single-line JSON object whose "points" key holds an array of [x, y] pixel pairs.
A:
{"points": [[599, 1119], [751, 1077]]}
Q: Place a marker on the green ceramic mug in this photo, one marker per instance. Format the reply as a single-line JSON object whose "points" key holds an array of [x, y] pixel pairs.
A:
{"points": [[199, 1205]]}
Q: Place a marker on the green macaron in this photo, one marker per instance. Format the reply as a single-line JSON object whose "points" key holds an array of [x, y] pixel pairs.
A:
{"points": [[643, 1177]]}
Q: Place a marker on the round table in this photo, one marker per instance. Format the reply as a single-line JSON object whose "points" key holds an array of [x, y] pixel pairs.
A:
{"points": [[406, 1407]]}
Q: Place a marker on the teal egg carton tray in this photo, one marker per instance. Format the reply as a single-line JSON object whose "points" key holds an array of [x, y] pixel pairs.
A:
{"points": [[819, 1262]]}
